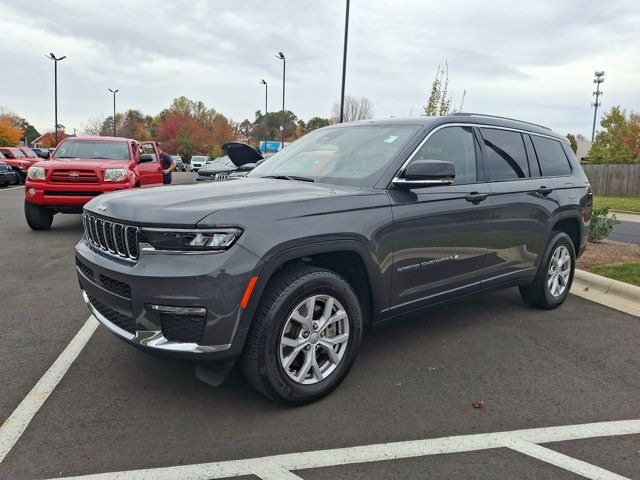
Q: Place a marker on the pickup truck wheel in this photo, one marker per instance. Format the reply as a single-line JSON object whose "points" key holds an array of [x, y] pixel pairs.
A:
{"points": [[38, 217], [552, 282], [305, 335]]}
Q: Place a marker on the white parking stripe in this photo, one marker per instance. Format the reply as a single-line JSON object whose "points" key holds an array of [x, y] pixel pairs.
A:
{"points": [[15, 425], [520, 440], [10, 188], [563, 461]]}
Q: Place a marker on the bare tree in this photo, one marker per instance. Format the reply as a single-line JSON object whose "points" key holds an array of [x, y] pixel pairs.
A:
{"points": [[354, 109], [93, 126]]}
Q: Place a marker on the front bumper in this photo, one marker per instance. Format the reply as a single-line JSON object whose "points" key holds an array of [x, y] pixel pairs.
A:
{"points": [[65, 194], [121, 295]]}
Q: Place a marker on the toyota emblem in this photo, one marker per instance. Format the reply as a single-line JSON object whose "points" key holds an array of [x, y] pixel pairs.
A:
{"points": [[74, 175]]}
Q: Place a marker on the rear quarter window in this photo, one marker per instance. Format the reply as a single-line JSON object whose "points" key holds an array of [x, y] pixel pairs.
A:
{"points": [[551, 156], [505, 157]]}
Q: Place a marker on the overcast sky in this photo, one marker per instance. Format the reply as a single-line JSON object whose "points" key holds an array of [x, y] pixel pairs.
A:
{"points": [[532, 60]]}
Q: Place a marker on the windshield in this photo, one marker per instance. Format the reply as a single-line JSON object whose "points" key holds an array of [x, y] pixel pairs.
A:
{"points": [[30, 153], [17, 153], [93, 150], [353, 156], [2, 156]]}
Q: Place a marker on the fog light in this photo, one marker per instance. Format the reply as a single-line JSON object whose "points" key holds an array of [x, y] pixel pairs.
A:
{"points": [[199, 311], [31, 191]]}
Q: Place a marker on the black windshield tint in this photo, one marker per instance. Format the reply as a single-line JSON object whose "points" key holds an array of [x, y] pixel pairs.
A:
{"points": [[353, 156], [94, 150]]}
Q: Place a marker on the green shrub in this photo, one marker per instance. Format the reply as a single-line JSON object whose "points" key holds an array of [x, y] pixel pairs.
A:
{"points": [[602, 223]]}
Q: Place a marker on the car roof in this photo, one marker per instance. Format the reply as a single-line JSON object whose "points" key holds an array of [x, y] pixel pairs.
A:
{"points": [[471, 118], [93, 138]]}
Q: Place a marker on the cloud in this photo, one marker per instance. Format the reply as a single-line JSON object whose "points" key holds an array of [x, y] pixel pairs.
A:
{"points": [[533, 59]]}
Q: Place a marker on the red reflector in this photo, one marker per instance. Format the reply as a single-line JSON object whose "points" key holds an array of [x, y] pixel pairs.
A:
{"points": [[247, 292]]}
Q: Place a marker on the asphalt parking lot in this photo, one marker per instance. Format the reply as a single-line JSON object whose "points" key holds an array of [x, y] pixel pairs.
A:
{"points": [[540, 375]]}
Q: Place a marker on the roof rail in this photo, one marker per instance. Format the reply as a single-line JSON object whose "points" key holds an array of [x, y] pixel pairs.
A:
{"points": [[499, 117]]}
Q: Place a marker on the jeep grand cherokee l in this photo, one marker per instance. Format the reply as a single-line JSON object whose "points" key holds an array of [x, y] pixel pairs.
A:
{"points": [[347, 227]]}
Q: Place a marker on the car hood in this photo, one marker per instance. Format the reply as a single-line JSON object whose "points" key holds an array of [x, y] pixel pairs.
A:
{"points": [[241, 153], [232, 202], [79, 163]]}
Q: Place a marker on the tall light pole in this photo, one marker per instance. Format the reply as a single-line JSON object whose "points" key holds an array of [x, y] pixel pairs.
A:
{"points": [[344, 61], [55, 88], [265, 98], [598, 80], [114, 109], [284, 68]]}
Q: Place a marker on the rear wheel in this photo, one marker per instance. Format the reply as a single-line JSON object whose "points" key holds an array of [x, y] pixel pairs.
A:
{"points": [[305, 335], [38, 217], [552, 282]]}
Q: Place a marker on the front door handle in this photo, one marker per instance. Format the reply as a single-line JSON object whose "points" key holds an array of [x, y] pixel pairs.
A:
{"points": [[476, 197], [544, 191]]}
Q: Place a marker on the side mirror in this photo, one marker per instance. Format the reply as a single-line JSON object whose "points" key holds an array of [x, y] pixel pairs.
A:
{"points": [[145, 158], [425, 173]]}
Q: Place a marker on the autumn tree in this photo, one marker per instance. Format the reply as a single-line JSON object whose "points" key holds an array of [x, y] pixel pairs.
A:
{"points": [[316, 122], [354, 109], [619, 140], [10, 132], [573, 142], [29, 132], [440, 99], [93, 126]]}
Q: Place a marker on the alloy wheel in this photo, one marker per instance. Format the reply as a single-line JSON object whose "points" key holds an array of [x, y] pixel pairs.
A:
{"points": [[559, 271]]}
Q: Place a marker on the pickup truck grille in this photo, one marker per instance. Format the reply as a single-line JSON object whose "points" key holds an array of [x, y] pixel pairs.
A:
{"points": [[69, 175], [112, 237]]}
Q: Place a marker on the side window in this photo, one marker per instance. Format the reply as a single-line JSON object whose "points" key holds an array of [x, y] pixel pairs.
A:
{"points": [[534, 166], [148, 148], [455, 145], [505, 157], [134, 149], [553, 160]]}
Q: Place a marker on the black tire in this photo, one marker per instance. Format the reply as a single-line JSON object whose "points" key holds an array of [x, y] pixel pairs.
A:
{"points": [[38, 217], [538, 293], [260, 358]]}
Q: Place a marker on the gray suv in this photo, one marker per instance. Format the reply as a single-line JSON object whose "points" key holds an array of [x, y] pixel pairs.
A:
{"points": [[348, 227]]}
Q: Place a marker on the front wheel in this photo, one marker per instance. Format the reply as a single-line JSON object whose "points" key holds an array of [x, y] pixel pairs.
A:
{"points": [[553, 280], [305, 335], [38, 217]]}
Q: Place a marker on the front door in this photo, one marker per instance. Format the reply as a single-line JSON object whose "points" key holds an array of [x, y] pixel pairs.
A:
{"points": [[150, 172], [441, 232]]}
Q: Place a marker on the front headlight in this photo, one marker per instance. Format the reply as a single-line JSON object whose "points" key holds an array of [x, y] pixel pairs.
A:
{"points": [[115, 174], [192, 240], [35, 173]]}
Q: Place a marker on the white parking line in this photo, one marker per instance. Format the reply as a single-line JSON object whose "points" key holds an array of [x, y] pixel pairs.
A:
{"points": [[10, 188], [280, 467], [15, 425]]}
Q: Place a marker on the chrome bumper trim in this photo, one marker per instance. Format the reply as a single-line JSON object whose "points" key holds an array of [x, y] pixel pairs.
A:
{"points": [[152, 338]]}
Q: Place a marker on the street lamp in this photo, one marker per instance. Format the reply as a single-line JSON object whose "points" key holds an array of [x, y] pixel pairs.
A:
{"points": [[114, 110], [265, 98], [51, 56], [284, 68], [598, 80], [344, 61]]}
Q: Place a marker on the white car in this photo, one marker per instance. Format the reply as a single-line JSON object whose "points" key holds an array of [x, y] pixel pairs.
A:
{"points": [[199, 161]]}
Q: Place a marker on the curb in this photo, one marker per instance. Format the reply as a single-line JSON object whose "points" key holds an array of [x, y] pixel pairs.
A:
{"points": [[606, 291]]}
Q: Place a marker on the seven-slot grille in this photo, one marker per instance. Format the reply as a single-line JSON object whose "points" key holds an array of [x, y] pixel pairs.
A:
{"points": [[112, 237]]}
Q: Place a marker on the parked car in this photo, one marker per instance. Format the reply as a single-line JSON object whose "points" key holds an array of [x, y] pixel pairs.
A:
{"points": [[180, 166], [199, 161], [41, 152], [18, 161], [30, 154], [239, 160], [349, 226], [80, 169], [7, 175]]}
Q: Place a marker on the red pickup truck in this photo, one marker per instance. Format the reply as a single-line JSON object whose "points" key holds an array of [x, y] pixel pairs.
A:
{"points": [[81, 168], [19, 160]]}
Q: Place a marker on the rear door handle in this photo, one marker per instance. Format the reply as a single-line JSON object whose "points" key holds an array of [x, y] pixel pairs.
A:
{"points": [[544, 191], [476, 197]]}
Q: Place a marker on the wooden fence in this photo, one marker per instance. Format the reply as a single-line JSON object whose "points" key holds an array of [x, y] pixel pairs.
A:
{"points": [[614, 179]]}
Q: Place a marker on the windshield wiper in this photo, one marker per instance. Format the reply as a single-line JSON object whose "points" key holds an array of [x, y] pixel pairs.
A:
{"points": [[64, 156], [290, 177]]}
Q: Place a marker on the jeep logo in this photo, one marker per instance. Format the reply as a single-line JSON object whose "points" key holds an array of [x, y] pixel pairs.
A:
{"points": [[74, 175]]}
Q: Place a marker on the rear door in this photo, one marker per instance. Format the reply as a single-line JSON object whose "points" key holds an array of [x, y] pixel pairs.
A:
{"points": [[441, 231], [150, 172], [523, 204]]}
